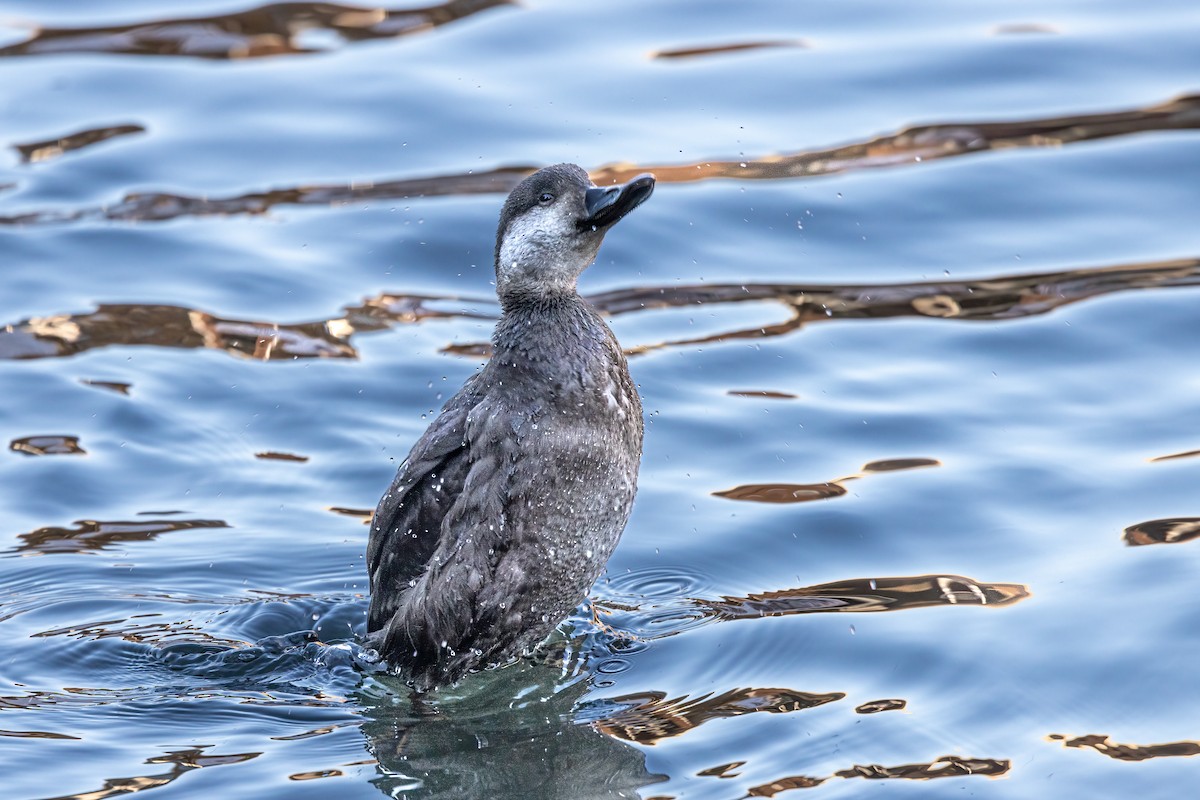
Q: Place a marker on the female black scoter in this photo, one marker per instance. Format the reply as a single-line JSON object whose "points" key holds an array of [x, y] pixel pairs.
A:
{"points": [[508, 507]]}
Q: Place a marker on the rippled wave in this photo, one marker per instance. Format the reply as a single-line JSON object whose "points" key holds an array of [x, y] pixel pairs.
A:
{"points": [[982, 299], [906, 147], [271, 30]]}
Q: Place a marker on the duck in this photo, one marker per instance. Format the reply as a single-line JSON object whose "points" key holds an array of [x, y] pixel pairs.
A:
{"points": [[507, 508]]}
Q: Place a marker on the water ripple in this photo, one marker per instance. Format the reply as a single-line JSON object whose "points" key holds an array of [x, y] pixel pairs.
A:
{"points": [[992, 299], [270, 30], [911, 146]]}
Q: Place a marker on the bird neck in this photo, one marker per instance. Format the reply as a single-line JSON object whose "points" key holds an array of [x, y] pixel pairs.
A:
{"points": [[550, 333], [529, 300]]}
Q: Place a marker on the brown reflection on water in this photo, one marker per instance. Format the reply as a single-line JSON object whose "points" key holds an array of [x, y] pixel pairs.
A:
{"points": [[321, 731], [983, 299], [1173, 456], [181, 761], [784, 784], [47, 446], [766, 394], [867, 594], [908, 146], [876, 706], [173, 326], [720, 49], [784, 492], [90, 535], [897, 464], [722, 770], [945, 767], [925, 143], [805, 492], [53, 148], [649, 717], [1128, 752], [315, 774], [1163, 531], [159, 206], [138, 630], [999, 298], [38, 735], [113, 386], [648, 618], [365, 514], [272, 455], [270, 30], [385, 310]]}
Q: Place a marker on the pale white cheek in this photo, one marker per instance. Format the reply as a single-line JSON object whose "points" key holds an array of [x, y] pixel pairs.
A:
{"points": [[533, 237]]}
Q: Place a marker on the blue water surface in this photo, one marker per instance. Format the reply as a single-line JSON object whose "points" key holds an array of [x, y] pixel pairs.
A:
{"points": [[912, 313]]}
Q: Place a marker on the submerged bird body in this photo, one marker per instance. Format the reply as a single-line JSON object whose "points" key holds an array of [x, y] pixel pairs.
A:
{"points": [[508, 507]]}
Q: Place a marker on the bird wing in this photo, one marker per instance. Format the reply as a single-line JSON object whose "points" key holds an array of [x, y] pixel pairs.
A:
{"points": [[406, 528]]}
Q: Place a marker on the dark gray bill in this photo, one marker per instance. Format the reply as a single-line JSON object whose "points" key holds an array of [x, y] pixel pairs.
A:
{"points": [[606, 205]]}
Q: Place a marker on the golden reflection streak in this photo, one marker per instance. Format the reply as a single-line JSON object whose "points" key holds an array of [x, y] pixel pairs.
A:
{"points": [[766, 394], [315, 774], [39, 735], [649, 619], [784, 492], [908, 146], [133, 324], [1173, 456], [52, 445], [926, 143], [1128, 752], [784, 784], [897, 464], [650, 717], [90, 535], [982, 299], [722, 770], [866, 594], [322, 731], [113, 386], [272, 455], [270, 30], [877, 706], [366, 514], [1174, 530], [1002, 297], [53, 148], [181, 761], [805, 492], [944, 767], [133, 629], [721, 49], [949, 766]]}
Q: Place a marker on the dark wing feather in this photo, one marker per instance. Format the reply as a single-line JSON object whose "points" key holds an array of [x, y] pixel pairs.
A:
{"points": [[406, 528]]}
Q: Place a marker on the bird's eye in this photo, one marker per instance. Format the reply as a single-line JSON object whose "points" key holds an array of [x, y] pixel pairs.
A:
{"points": [[546, 198]]}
